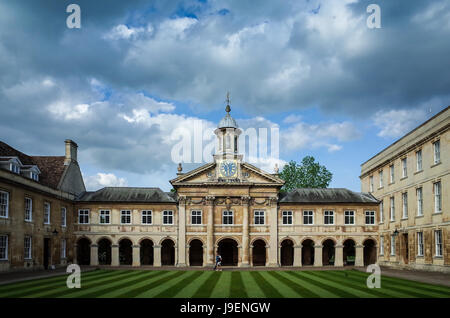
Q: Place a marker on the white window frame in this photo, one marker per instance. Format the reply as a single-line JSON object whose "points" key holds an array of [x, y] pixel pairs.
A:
{"points": [[404, 205], [328, 214], [371, 216], [309, 214], [437, 151], [392, 173], [126, 214], [404, 167], [63, 248], [15, 168], [27, 247], [437, 189], [392, 208], [438, 243], [4, 205], [419, 195], [420, 244], [145, 215], [382, 211], [381, 245], [82, 214], [47, 212], [392, 245], [4, 238], [350, 214], [258, 215], [28, 209], [419, 163], [63, 216], [287, 217], [195, 214], [226, 215], [380, 176], [371, 184], [105, 214], [168, 215]]}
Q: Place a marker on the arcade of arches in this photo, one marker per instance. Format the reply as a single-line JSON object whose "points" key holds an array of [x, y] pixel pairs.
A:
{"points": [[146, 253]]}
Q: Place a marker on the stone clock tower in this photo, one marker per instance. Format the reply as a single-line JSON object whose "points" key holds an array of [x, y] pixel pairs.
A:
{"points": [[227, 157]]}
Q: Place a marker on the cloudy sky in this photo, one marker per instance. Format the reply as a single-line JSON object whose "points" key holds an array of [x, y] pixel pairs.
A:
{"points": [[138, 75]]}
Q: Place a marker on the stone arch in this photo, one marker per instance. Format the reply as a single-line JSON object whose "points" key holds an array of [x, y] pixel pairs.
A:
{"points": [[308, 251], [370, 251], [328, 251], [329, 238], [168, 252], [146, 251], [167, 238], [196, 252], [196, 238], [84, 250], [145, 238], [104, 244], [349, 251], [287, 252], [227, 247], [125, 251], [259, 253]]}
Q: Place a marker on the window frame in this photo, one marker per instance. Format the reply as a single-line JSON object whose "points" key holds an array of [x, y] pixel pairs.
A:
{"points": [[5, 205], [382, 211], [371, 186], [392, 173], [393, 249], [420, 245], [127, 215], [195, 215], [350, 216], [6, 247], [288, 214], [438, 243], [404, 205], [419, 160], [404, 167], [28, 210], [84, 215], [392, 209], [47, 204], [146, 214], [169, 215], [437, 196], [226, 215], [307, 214], [28, 250], [330, 216], [262, 215], [437, 152], [380, 177], [63, 248], [102, 213], [371, 215], [63, 216], [419, 201], [381, 245]]}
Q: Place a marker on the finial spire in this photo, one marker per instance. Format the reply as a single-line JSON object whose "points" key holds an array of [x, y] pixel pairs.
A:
{"points": [[228, 108]]}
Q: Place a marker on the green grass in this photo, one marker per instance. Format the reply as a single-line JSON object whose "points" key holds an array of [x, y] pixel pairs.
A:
{"points": [[226, 284]]}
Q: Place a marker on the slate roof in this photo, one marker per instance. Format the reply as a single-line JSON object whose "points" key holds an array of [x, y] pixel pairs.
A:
{"points": [[52, 167], [329, 195], [127, 194]]}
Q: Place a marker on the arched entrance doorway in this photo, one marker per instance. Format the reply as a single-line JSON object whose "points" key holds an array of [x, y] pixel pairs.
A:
{"points": [[370, 252], [328, 252], [259, 253], [83, 251], [125, 252], [349, 252], [146, 252], [307, 252], [104, 252], [228, 249], [196, 253], [287, 253], [168, 253]]}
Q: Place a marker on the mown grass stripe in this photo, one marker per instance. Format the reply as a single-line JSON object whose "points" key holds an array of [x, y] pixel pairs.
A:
{"points": [[250, 285], [409, 283], [237, 289], [186, 281], [222, 288], [85, 285], [31, 292], [356, 284], [268, 290], [206, 289], [157, 289], [297, 288], [341, 291], [282, 288], [313, 289], [40, 281], [148, 284], [191, 289], [117, 285]]}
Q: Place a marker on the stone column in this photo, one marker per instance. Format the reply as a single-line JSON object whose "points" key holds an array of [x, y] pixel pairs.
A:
{"points": [[157, 255], [317, 255], [115, 255], [359, 255], [181, 232], [339, 255], [245, 232], [273, 243], [136, 255], [297, 255], [94, 254], [187, 255], [210, 232]]}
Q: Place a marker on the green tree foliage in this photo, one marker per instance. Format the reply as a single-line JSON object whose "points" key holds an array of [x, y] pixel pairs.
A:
{"points": [[308, 174]]}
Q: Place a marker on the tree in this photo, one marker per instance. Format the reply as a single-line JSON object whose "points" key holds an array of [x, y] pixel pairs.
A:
{"points": [[308, 174]]}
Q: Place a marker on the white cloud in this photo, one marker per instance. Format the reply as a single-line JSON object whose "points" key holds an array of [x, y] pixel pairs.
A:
{"points": [[122, 31], [396, 123], [101, 180], [292, 119]]}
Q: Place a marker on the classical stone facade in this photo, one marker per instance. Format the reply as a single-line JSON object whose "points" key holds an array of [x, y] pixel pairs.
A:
{"points": [[411, 178]]}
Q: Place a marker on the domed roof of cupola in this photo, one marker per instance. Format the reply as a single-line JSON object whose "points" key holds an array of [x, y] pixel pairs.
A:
{"points": [[228, 121]]}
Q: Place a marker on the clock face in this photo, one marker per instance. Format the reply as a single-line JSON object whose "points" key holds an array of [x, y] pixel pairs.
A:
{"points": [[228, 168]]}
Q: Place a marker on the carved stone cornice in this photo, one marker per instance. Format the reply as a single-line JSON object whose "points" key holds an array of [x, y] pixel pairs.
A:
{"points": [[245, 199], [182, 199], [209, 200]]}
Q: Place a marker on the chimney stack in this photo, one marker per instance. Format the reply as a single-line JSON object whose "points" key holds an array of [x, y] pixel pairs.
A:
{"points": [[71, 152]]}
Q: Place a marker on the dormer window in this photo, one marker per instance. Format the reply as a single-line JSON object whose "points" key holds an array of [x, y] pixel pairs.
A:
{"points": [[14, 168], [34, 176]]}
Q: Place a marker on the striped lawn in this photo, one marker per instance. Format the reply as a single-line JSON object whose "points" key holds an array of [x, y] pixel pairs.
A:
{"points": [[226, 284]]}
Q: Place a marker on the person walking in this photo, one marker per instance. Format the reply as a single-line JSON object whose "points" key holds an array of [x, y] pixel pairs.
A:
{"points": [[218, 262]]}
